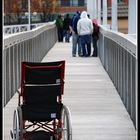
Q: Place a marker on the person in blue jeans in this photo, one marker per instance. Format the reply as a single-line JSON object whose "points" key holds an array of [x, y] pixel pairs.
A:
{"points": [[85, 41], [85, 30], [75, 36]]}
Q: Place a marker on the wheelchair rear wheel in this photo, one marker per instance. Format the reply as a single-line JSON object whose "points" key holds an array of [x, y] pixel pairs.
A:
{"points": [[17, 126], [66, 124]]}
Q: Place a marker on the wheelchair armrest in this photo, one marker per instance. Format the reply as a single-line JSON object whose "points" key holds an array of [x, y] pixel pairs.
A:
{"points": [[19, 94]]}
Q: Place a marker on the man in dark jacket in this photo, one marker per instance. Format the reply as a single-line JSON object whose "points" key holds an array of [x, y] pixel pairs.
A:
{"points": [[75, 36], [66, 28], [59, 25]]}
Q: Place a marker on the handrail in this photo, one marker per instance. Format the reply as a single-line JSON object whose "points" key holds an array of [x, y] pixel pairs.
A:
{"points": [[118, 54], [12, 29], [127, 42], [12, 39], [30, 46]]}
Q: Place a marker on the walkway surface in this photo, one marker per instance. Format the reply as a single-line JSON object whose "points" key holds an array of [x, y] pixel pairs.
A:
{"points": [[97, 112]]}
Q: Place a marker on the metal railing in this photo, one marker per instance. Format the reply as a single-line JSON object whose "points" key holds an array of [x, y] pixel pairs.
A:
{"points": [[11, 29], [118, 55], [25, 46], [116, 51]]}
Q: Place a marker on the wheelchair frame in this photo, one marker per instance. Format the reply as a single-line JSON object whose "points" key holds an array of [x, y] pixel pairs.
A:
{"points": [[57, 129]]}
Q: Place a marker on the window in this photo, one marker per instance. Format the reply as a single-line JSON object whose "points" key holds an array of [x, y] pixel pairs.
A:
{"points": [[85, 2], [65, 2], [59, 2], [74, 2], [81, 2], [120, 1]]}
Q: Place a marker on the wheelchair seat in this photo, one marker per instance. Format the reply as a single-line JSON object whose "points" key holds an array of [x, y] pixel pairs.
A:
{"points": [[41, 103]]}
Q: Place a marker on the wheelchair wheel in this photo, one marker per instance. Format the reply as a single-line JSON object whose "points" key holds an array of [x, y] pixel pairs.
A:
{"points": [[66, 124], [17, 126]]}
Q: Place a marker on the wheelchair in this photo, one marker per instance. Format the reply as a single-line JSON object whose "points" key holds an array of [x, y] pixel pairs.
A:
{"points": [[40, 114]]}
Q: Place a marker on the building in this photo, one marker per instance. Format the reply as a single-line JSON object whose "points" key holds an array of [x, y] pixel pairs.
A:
{"points": [[119, 1], [71, 6], [122, 15], [15, 10]]}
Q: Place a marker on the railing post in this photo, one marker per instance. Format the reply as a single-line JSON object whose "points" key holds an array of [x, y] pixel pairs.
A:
{"points": [[99, 11], [29, 14], [104, 12], [114, 25], [132, 16], [92, 8]]}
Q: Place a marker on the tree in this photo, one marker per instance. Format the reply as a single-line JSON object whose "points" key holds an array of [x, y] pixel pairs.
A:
{"points": [[12, 10], [48, 7], [35, 5], [16, 10]]}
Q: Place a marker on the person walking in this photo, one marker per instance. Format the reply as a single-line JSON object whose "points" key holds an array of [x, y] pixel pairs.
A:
{"points": [[59, 25], [95, 37], [85, 30], [75, 36], [66, 24]]}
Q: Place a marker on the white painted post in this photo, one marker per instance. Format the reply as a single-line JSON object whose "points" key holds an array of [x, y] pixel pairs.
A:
{"points": [[132, 10], [92, 8], [3, 16], [105, 12], [99, 11], [29, 15], [114, 24]]}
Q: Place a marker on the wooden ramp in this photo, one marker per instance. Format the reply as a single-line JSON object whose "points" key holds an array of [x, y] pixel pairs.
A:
{"points": [[97, 112]]}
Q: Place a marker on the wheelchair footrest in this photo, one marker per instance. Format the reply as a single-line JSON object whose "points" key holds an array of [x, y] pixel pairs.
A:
{"points": [[39, 135]]}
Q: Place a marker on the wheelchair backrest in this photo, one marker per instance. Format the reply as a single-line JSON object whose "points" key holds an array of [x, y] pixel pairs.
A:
{"points": [[42, 82]]}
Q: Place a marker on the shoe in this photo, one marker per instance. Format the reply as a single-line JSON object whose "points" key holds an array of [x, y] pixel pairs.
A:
{"points": [[87, 55], [94, 55], [82, 55], [74, 55]]}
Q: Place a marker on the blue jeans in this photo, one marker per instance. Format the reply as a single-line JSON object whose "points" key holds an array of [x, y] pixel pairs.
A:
{"points": [[67, 35], [75, 44], [86, 44]]}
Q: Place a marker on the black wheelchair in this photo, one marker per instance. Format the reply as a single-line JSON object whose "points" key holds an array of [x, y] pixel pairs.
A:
{"points": [[40, 114]]}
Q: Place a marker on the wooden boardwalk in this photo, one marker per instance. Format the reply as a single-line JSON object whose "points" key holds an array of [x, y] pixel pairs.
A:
{"points": [[97, 112]]}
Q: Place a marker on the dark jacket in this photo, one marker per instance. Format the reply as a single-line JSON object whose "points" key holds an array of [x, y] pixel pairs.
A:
{"points": [[59, 22], [74, 23], [66, 23]]}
